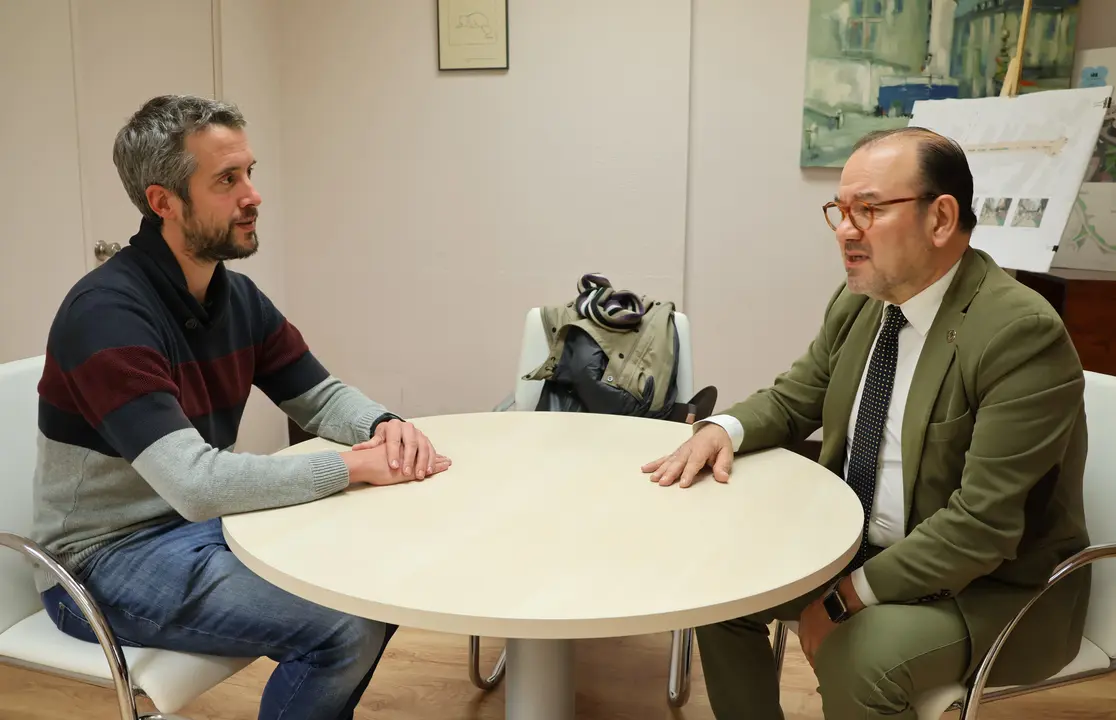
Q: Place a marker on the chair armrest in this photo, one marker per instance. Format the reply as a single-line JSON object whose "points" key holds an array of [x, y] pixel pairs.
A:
{"points": [[118, 665], [508, 403], [1088, 556]]}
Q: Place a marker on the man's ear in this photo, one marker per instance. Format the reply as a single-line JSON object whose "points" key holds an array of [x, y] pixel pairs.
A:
{"points": [[163, 202], [943, 219]]}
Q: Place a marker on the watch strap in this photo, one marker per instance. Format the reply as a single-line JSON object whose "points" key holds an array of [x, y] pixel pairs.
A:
{"points": [[835, 605]]}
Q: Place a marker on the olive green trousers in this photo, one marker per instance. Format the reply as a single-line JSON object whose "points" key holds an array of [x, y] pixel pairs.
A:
{"points": [[869, 668]]}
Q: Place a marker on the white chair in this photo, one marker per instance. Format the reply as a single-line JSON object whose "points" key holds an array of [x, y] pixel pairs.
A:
{"points": [[1097, 655], [533, 352], [28, 638]]}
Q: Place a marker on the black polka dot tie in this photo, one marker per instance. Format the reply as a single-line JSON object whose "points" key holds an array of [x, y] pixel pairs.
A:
{"points": [[871, 417]]}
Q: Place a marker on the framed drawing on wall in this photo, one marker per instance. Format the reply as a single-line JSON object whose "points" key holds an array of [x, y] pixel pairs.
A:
{"points": [[472, 34]]}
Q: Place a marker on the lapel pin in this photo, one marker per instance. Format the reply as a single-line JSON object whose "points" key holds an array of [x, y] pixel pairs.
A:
{"points": [[951, 336]]}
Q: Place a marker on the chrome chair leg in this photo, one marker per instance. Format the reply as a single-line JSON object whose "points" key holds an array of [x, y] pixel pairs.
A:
{"points": [[497, 675], [779, 646], [118, 665], [681, 656]]}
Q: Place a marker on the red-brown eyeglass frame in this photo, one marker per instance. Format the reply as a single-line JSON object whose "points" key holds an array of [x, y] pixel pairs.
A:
{"points": [[871, 209]]}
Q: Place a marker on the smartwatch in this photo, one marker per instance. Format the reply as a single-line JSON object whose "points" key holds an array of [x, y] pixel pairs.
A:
{"points": [[835, 605]]}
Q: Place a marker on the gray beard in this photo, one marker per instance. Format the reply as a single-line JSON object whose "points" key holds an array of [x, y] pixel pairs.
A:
{"points": [[217, 245]]}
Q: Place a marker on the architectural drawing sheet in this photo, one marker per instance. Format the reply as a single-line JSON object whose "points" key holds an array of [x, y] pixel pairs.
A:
{"points": [[1028, 156], [1089, 241]]}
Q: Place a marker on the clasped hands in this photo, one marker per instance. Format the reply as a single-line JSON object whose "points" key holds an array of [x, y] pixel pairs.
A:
{"points": [[397, 452]]}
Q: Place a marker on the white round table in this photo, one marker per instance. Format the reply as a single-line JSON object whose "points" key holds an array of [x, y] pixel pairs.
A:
{"points": [[545, 530]]}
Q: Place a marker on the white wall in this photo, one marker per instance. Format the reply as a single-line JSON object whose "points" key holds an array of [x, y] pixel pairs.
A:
{"points": [[248, 61], [760, 261], [427, 211], [414, 232], [1097, 28], [407, 212], [656, 142]]}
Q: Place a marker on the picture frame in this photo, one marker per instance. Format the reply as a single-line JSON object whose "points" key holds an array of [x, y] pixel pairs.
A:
{"points": [[472, 34]]}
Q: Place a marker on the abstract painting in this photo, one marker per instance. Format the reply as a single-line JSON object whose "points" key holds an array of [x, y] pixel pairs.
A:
{"points": [[869, 61]]}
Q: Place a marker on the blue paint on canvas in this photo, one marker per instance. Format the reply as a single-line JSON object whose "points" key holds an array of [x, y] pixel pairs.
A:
{"points": [[901, 98]]}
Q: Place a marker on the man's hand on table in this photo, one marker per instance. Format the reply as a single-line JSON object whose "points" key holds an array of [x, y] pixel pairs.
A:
{"points": [[371, 466], [404, 452], [711, 445]]}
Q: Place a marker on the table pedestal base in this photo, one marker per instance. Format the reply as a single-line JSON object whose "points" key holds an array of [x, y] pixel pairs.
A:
{"points": [[540, 680]]}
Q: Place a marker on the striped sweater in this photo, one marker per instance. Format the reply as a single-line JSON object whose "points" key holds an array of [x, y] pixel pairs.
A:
{"points": [[142, 395]]}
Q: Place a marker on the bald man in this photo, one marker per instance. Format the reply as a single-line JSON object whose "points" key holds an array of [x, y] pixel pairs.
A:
{"points": [[951, 399]]}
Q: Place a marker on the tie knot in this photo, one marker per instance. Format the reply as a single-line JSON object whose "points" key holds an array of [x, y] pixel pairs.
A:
{"points": [[894, 319]]}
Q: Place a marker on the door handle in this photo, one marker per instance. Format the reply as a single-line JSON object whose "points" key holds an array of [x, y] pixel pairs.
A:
{"points": [[103, 251]]}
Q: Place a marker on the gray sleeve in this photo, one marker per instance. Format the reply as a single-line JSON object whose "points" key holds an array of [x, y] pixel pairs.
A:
{"points": [[335, 411], [201, 482]]}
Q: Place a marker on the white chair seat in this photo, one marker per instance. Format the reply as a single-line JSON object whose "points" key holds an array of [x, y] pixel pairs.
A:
{"points": [[170, 679], [932, 704]]}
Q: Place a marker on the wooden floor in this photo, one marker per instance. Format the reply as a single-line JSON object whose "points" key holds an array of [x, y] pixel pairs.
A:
{"points": [[424, 677]]}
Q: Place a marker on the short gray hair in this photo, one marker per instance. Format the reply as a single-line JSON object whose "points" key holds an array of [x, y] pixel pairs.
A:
{"points": [[151, 148]]}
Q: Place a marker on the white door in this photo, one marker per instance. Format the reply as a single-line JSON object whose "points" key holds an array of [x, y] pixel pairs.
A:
{"points": [[125, 52], [42, 252], [71, 73]]}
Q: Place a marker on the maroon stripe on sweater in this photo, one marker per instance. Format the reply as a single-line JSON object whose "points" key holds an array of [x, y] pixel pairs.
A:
{"points": [[107, 380], [112, 378], [281, 348], [216, 384], [54, 387]]}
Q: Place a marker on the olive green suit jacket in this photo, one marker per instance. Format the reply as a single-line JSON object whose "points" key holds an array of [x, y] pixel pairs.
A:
{"points": [[993, 448]]}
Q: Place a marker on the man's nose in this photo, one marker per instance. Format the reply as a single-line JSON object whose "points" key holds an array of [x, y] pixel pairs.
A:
{"points": [[252, 198], [847, 232]]}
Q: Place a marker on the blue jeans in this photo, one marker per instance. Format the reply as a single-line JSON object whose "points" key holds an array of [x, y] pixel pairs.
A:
{"points": [[179, 587]]}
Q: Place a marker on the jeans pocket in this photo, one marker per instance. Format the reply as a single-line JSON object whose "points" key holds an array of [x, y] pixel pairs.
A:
{"points": [[75, 625]]}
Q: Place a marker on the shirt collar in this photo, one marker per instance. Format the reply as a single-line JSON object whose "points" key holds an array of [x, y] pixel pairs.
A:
{"points": [[921, 309]]}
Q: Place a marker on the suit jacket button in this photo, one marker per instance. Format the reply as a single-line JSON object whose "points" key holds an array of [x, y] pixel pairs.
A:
{"points": [[192, 324]]}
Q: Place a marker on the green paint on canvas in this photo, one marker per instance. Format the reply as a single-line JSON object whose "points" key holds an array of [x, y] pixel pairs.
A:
{"points": [[868, 61]]}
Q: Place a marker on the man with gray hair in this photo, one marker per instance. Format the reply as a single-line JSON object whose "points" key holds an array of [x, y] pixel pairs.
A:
{"points": [[149, 364]]}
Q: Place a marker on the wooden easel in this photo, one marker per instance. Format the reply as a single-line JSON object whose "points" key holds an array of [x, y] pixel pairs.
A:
{"points": [[1015, 66]]}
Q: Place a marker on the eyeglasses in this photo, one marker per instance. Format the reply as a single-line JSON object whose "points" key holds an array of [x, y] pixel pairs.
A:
{"points": [[862, 214]]}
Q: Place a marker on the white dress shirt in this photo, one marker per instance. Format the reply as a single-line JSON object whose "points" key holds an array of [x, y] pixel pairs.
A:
{"points": [[886, 522]]}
